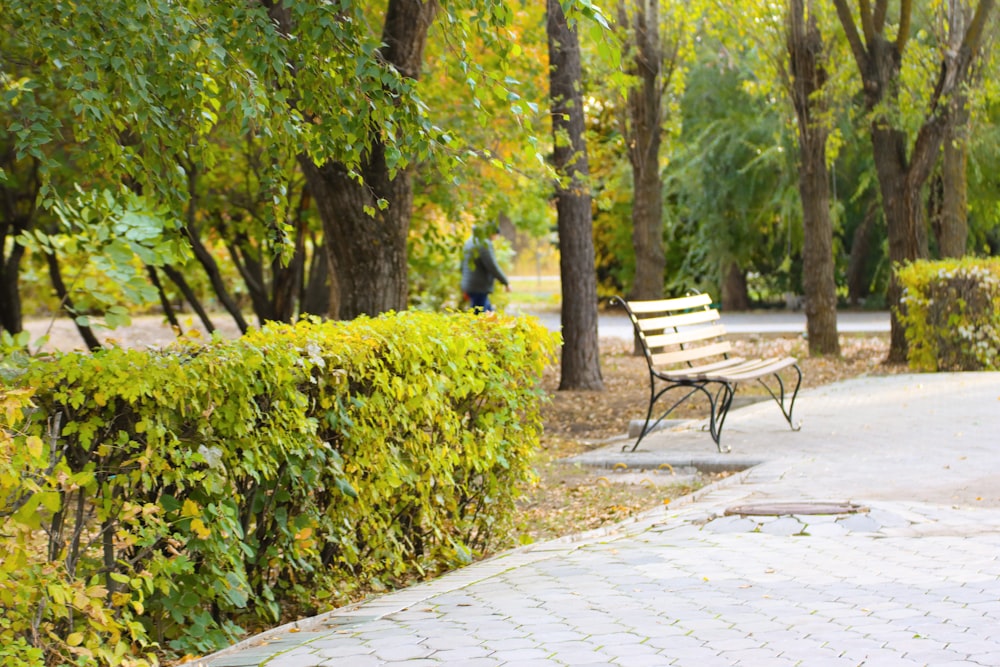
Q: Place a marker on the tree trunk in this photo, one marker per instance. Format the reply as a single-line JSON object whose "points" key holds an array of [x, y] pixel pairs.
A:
{"points": [[951, 225], [904, 217], [580, 367], [168, 309], [66, 301], [205, 258], [644, 138], [367, 252], [734, 288], [17, 215], [211, 267], [315, 297], [11, 319], [182, 284], [286, 280], [857, 263], [805, 46]]}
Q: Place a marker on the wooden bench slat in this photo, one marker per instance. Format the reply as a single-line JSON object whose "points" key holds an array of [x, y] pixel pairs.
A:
{"points": [[700, 352], [767, 367], [682, 373], [667, 305], [682, 320], [682, 337]]}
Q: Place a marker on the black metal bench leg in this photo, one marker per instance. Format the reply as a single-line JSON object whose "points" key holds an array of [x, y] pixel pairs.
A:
{"points": [[646, 427], [779, 398], [649, 424], [720, 404]]}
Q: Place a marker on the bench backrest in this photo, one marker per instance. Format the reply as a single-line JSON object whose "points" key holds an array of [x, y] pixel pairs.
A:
{"points": [[681, 332]]}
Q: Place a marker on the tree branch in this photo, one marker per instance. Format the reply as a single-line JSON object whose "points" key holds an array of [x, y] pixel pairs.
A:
{"points": [[974, 36], [867, 21], [905, 12], [851, 31], [881, 9]]}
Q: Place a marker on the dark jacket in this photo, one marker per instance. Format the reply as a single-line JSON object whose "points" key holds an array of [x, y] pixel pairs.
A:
{"points": [[479, 267]]}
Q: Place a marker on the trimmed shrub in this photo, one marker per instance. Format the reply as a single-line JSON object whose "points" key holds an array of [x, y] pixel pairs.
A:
{"points": [[951, 312], [163, 502]]}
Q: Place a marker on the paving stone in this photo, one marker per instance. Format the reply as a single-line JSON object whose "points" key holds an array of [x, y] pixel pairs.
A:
{"points": [[786, 525], [731, 524], [360, 661]]}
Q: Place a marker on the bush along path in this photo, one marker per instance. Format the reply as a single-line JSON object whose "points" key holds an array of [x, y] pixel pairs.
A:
{"points": [[163, 503]]}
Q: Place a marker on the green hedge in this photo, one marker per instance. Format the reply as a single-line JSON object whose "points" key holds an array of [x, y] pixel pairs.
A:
{"points": [[160, 503], [951, 313]]}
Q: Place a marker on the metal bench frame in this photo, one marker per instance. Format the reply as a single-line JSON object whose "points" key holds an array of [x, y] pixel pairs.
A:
{"points": [[683, 341]]}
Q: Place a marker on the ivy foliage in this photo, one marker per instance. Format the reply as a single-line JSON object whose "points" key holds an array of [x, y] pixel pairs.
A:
{"points": [[161, 503], [951, 313]]}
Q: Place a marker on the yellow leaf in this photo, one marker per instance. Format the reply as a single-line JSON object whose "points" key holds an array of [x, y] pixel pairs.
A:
{"points": [[75, 638], [34, 445], [200, 529], [190, 508]]}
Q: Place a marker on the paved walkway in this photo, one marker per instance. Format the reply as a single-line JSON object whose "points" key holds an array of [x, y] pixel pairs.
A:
{"points": [[915, 580]]}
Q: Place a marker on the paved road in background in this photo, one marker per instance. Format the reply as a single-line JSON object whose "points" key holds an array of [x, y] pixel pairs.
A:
{"points": [[616, 325]]}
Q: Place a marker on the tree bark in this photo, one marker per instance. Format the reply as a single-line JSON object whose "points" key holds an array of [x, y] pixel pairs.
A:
{"points": [[315, 297], [55, 275], [211, 267], [168, 309], [951, 225], [735, 296], [644, 136], [808, 75], [367, 253], [857, 263], [580, 367], [205, 258], [11, 318], [182, 284], [17, 215]]}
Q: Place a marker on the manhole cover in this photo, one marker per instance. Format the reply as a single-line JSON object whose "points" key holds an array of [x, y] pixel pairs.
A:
{"points": [[780, 509]]}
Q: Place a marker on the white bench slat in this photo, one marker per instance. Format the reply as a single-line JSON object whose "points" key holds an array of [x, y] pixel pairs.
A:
{"points": [[690, 354], [682, 320], [682, 337], [700, 372], [768, 367], [668, 305]]}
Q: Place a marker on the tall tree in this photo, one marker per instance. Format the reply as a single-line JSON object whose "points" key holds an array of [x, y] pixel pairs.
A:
{"points": [[580, 368], [651, 66], [949, 193], [903, 167], [366, 207], [806, 66]]}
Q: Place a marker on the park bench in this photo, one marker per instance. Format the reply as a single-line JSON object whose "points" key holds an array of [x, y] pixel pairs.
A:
{"points": [[683, 341]]}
